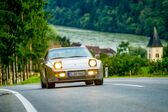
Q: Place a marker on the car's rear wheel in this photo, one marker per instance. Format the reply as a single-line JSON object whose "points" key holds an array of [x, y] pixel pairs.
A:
{"points": [[98, 82], [88, 82]]}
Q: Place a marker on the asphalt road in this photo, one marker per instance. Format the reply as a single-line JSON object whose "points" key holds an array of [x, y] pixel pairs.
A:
{"points": [[116, 95]]}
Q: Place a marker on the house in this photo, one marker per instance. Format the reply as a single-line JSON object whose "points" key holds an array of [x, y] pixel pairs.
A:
{"points": [[154, 48], [94, 49], [108, 51], [98, 50]]}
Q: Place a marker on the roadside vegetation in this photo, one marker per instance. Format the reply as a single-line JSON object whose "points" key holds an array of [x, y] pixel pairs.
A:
{"points": [[32, 79], [24, 38], [132, 62]]}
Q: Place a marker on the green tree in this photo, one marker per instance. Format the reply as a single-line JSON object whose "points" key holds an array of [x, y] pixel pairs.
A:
{"points": [[123, 47], [22, 36], [119, 16]]}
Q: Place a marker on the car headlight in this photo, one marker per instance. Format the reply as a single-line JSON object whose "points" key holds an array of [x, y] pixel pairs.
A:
{"points": [[57, 65], [92, 63]]}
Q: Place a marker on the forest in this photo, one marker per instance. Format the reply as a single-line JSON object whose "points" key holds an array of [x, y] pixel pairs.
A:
{"points": [[24, 37], [117, 16]]}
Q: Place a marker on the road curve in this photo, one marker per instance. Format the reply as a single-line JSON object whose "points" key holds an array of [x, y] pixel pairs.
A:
{"points": [[116, 95]]}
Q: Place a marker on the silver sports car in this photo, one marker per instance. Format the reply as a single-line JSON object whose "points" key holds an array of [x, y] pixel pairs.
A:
{"points": [[70, 64]]}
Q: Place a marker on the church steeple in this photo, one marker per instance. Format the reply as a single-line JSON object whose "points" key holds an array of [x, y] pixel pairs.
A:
{"points": [[154, 47], [155, 41]]}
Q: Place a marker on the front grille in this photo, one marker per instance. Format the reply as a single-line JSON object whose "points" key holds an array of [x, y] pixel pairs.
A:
{"points": [[77, 78], [77, 75], [81, 77]]}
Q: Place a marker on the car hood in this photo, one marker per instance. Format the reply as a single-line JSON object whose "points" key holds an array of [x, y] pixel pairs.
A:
{"points": [[75, 63]]}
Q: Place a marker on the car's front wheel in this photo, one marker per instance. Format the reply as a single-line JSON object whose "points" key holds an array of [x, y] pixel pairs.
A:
{"points": [[43, 85], [50, 85], [98, 82], [88, 82]]}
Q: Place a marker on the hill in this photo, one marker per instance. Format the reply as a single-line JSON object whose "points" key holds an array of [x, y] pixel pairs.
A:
{"points": [[102, 39], [116, 16]]}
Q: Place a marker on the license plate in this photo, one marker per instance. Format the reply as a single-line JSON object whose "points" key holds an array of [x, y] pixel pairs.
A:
{"points": [[75, 74]]}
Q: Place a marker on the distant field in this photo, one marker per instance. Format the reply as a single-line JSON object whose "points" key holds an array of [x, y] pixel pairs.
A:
{"points": [[102, 39]]}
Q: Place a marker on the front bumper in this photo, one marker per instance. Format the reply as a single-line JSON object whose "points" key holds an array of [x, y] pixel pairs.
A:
{"points": [[69, 77]]}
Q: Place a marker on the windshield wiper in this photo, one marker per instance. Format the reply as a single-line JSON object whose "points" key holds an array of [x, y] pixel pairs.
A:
{"points": [[67, 57], [58, 58], [76, 56]]}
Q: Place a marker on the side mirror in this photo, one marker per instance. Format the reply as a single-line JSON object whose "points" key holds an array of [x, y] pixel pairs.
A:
{"points": [[97, 56]]}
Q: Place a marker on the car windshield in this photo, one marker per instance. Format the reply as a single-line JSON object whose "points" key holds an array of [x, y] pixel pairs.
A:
{"points": [[68, 53]]}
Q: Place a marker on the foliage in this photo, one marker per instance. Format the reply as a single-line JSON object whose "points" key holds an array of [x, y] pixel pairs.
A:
{"points": [[165, 51], [123, 47], [124, 64], [118, 16], [132, 61], [138, 51], [33, 79], [64, 41], [23, 37], [159, 67]]}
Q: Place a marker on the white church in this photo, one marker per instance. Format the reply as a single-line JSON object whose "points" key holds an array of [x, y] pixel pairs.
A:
{"points": [[154, 48]]}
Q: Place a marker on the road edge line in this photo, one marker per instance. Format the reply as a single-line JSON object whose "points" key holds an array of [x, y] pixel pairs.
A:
{"points": [[28, 106], [131, 85]]}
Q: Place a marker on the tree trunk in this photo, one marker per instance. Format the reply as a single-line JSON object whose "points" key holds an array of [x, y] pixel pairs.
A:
{"points": [[2, 76], [27, 74], [15, 69], [13, 73], [23, 72]]}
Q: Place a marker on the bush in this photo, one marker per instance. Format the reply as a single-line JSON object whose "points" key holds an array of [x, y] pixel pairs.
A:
{"points": [[159, 67], [124, 64]]}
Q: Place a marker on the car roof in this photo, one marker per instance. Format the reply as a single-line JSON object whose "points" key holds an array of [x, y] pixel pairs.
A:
{"points": [[65, 48]]}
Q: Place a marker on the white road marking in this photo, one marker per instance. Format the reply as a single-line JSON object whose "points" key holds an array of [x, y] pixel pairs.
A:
{"points": [[119, 84], [28, 106]]}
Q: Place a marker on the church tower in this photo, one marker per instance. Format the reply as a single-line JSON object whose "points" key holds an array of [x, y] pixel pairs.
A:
{"points": [[154, 48]]}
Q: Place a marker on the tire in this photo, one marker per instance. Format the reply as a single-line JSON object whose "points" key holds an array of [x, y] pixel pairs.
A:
{"points": [[47, 84], [89, 82], [98, 82], [50, 85], [43, 85]]}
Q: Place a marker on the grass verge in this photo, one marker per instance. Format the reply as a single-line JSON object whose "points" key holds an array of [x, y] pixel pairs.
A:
{"points": [[33, 79]]}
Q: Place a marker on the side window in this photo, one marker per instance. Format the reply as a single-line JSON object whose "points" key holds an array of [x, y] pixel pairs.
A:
{"points": [[157, 55]]}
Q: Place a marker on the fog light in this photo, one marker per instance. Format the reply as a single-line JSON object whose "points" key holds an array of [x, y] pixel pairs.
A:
{"points": [[90, 72], [62, 75]]}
